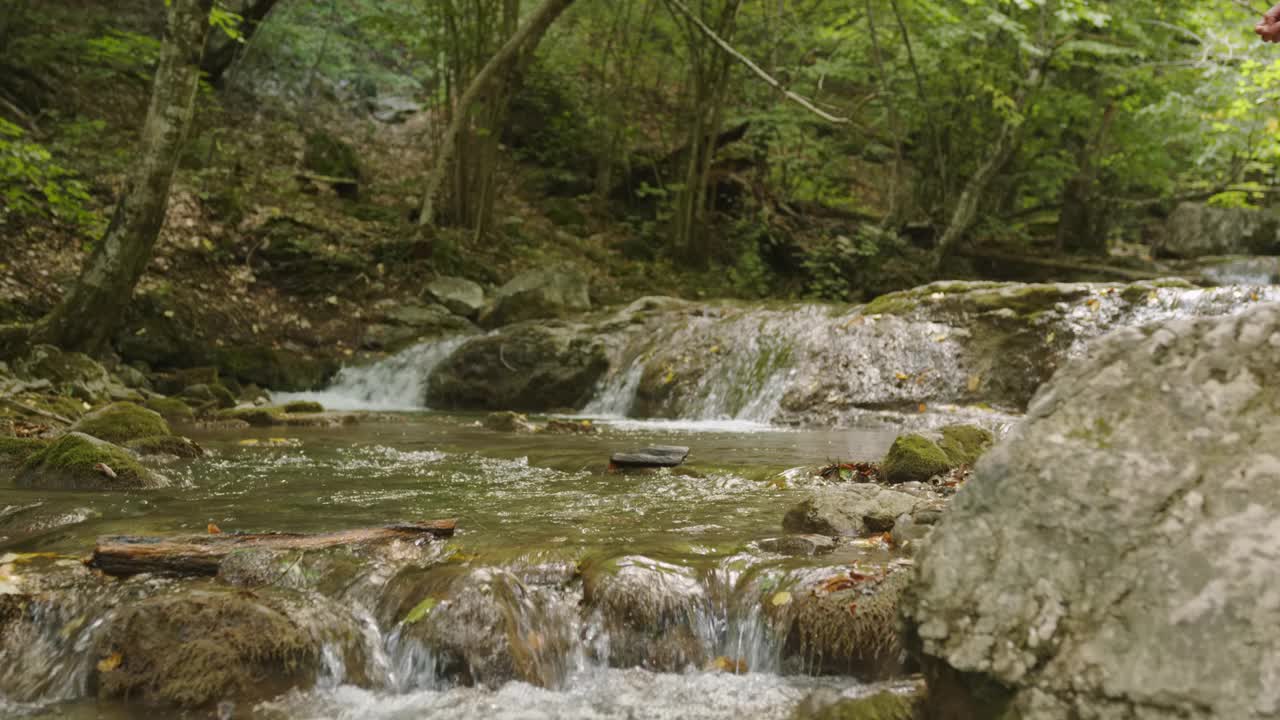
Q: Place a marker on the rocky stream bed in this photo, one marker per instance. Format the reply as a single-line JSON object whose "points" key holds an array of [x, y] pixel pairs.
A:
{"points": [[1108, 559]]}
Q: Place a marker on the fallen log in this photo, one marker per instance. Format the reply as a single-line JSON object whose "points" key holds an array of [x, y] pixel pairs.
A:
{"points": [[203, 554]]}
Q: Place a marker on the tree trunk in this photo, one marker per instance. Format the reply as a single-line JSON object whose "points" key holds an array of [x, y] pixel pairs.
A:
{"points": [[1006, 145], [1082, 221], [524, 40], [94, 307]]}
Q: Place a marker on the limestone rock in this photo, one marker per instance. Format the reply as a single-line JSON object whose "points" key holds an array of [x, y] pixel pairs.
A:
{"points": [[1115, 556], [808, 544], [1197, 229], [507, 421], [651, 457], [74, 372], [853, 510], [538, 294], [459, 295]]}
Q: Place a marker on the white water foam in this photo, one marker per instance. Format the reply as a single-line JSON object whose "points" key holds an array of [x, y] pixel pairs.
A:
{"points": [[395, 383]]}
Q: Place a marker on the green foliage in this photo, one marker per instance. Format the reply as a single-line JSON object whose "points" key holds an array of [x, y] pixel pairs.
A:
{"points": [[32, 183], [124, 52]]}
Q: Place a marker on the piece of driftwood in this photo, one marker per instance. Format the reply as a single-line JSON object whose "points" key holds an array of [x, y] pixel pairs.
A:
{"points": [[203, 554], [650, 457]]}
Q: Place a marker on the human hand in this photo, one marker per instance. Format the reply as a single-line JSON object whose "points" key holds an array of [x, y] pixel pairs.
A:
{"points": [[1269, 27]]}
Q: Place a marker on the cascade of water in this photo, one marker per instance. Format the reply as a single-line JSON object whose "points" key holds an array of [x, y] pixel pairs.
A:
{"points": [[617, 393], [398, 382]]}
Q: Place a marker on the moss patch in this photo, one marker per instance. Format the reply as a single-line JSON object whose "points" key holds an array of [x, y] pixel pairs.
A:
{"points": [[303, 406], [72, 463], [15, 451], [964, 444], [881, 706], [198, 648], [121, 422], [257, 417], [914, 458], [851, 630], [171, 409]]}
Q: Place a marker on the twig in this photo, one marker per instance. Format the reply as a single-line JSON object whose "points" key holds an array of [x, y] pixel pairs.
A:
{"points": [[280, 577], [798, 99], [37, 411], [503, 358]]}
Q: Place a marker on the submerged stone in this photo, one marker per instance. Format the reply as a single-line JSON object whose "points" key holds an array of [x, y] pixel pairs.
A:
{"points": [[303, 406], [653, 456], [649, 610], [121, 422], [77, 461], [803, 545], [508, 421]]}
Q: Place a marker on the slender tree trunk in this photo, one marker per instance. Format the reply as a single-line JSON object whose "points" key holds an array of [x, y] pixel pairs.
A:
{"points": [[1082, 221], [525, 39], [94, 307], [1006, 145]]}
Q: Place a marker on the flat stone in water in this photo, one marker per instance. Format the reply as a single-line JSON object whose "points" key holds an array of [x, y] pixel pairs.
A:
{"points": [[654, 456]]}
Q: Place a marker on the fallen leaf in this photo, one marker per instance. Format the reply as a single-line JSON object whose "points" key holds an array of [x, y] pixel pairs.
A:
{"points": [[922, 408], [214, 529], [902, 377], [420, 611], [781, 598], [110, 662]]}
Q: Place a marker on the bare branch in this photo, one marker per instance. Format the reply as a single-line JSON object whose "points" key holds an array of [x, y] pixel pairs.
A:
{"points": [[798, 99]]}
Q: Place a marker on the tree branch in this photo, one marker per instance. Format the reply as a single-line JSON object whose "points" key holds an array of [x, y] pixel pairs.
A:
{"points": [[798, 99]]}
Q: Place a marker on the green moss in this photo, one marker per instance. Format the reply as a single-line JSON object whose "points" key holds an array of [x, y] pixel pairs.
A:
{"points": [[194, 649], [166, 445], [257, 416], [121, 422], [171, 409], [964, 444], [71, 463], [303, 406], [67, 407], [15, 451], [849, 630], [884, 705], [914, 458]]}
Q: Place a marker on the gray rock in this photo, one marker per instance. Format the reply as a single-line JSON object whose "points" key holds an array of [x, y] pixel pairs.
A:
{"points": [[526, 368], [851, 510], [799, 545], [460, 295], [538, 294], [654, 456], [73, 372], [1196, 229], [1115, 556]]}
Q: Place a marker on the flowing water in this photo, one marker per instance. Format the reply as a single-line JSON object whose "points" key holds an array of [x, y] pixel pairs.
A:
{"points": [[528, 506]]}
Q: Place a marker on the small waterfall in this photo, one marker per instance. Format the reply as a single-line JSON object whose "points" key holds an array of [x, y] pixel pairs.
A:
{"points": [[617, 393], [398, 382]]}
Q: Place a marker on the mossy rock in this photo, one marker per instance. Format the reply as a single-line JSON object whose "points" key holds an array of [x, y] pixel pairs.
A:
{"points": [[650, 610], [964, 444], [121, 422], [508, 421], [174, 382], [884, 705], [275, 369], [853, 630], [303, 406], [195, 649], [256, 416], [914, 457], [205, 395], [167, 445], [72, 463], [16, 451], [171, 409]]}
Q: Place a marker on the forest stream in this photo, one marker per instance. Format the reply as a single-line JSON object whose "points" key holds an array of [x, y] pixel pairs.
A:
{"points": [[526, 504]]}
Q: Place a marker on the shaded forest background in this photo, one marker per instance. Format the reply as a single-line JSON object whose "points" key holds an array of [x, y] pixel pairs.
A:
{"points": [[907, 141]]}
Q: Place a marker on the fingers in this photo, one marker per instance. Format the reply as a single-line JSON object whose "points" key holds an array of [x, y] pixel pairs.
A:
{"points": [[1269, 32], [1273, 15]]}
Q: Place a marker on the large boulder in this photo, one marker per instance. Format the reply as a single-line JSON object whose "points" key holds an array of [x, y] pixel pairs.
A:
{"points": [[525, 368], [460, 295], [1196, 230], [77, 461], [1115, 556], [538, 294], [121, 422]]}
